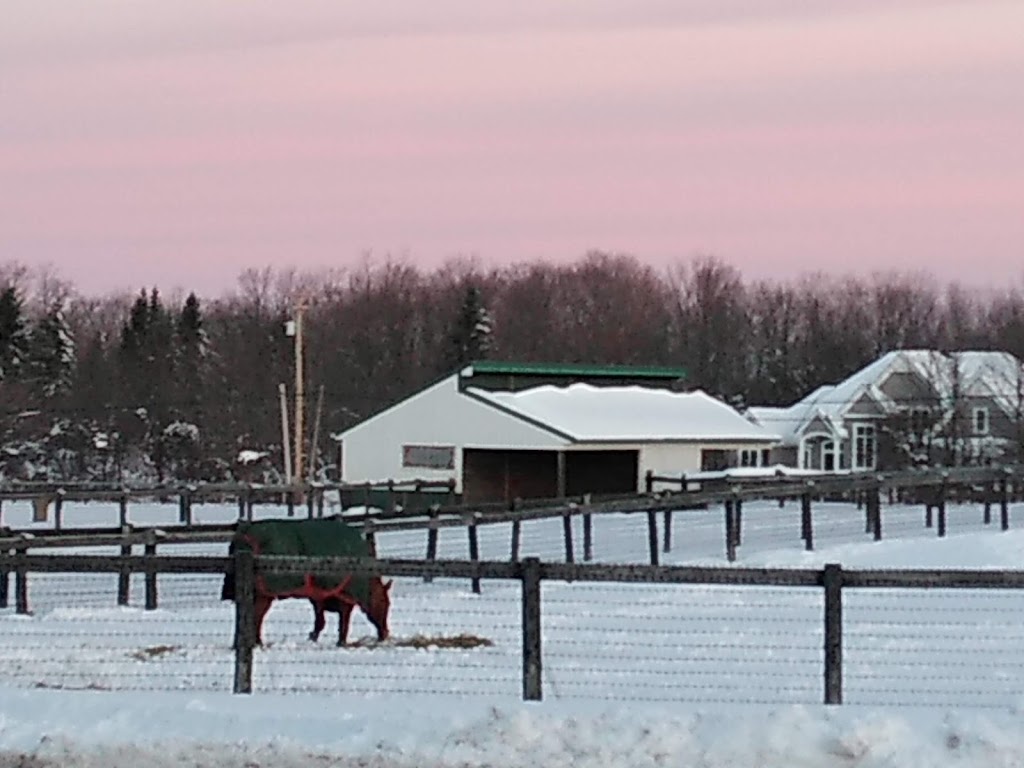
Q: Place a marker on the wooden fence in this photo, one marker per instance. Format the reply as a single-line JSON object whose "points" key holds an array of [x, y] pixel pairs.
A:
{"points": [[992, 483], [833, 580]]}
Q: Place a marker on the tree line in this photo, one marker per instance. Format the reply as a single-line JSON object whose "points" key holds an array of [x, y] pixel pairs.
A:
{"points": [[148, 386]]}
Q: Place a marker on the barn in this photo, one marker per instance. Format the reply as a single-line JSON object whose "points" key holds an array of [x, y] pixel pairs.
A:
{"points": [[503, 431]]}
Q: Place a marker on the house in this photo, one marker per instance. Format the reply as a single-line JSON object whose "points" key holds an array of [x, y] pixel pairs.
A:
{"points": [[909, 406], [504, 431]]}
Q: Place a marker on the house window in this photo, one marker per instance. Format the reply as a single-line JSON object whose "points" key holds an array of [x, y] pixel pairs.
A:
{"points": [[980, 420], [828, 456], [748, 458], [766, 455], [428, 456], [864, 446]]}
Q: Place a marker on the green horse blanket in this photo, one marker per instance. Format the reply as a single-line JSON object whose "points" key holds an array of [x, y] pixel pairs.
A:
{"points": [[306, 538]]}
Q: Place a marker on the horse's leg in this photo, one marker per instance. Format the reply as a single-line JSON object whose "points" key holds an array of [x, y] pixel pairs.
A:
{"points": [[318, 620], [344, 618], [261, 608]]}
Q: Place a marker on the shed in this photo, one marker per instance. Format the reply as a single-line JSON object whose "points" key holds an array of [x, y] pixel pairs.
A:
{"points": [[502, 434]]}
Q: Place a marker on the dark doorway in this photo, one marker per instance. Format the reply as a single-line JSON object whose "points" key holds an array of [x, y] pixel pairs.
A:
{"points": [[601, 472], [495, 475]]}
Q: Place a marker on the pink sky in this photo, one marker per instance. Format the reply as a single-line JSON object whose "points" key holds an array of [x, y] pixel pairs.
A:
{"points": [[177, 143]]}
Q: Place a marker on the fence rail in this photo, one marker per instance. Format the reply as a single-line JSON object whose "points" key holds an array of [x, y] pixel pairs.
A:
{"points": [[833, 581], [994, 484]]}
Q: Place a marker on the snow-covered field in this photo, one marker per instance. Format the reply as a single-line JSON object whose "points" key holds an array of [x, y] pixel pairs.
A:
{"points": [[633, 675]]}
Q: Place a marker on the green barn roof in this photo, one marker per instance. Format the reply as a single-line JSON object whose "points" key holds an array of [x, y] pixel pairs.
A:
{"points": [[494, 374]]}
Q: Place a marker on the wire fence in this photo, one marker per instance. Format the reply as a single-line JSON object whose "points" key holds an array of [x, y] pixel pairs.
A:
{"points": [[621, 633]]}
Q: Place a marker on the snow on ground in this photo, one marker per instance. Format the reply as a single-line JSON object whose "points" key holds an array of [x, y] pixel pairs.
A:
{"points": [[633, 674]]}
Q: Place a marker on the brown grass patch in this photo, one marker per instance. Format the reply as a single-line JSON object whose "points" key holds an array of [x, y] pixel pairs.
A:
{"points": [[462, 642], [154, 652]]}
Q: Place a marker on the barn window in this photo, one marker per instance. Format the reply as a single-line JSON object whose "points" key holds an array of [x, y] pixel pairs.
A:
{"points": [[429, 456]]}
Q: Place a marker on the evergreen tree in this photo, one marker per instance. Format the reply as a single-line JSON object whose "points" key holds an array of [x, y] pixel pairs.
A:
{"points": [[471, 337], [52, 353], [192, 353], [14, 335]]}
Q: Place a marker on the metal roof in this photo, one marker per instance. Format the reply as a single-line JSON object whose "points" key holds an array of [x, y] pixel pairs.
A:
{"points": [[495, 367]]}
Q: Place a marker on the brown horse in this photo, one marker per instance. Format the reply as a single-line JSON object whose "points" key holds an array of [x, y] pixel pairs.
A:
{"points": [[341, 596], [376, 610]]}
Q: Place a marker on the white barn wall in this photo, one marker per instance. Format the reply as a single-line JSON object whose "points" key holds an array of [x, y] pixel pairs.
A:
{"points": [[675, 458], [439, 415]]}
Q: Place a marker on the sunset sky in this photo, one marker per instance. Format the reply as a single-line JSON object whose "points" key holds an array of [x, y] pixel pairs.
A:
{"points": [[176, 143]]}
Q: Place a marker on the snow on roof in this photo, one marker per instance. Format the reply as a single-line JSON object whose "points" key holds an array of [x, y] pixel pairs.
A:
{"points": [[998, 374], [629, 414]]}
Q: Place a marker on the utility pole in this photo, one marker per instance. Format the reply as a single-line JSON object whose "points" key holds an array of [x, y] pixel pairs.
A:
{"points": [[285, 437], [300, 392]]}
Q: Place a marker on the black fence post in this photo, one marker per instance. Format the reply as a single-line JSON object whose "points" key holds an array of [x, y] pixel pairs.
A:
{"points": [[1004, 504], [58, 510], [730, 531], [150, 555], [570, 554], [122, 517], [245, 618], [652, 536], [124, 576], [20, 581], [5, 579], [738, 526], [432, 539], [990, 489], [833, 583], [942, 509], [876, 512], [517, 534], [474, 549], [588, 532], [649, 481], [807, 521], [532, 666], [667, 533]]}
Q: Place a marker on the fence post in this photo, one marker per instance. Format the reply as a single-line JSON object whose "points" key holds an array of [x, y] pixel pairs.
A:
{"points": [[58, 510], [833, 583], [1004, 504], [588, 531], [517, 533], [942, 509], [532, 666], [730, 533], [186, 506], [310, 502], [989, 493], [245, 618], [432, 539], [652, 536], [20, 581], [474, 549], [876, 512], [649, 481], [150, 554], [807, 521], [123, 510], [738, 526], [667, 534], [570, 555], [124, 575], [5, 579]]}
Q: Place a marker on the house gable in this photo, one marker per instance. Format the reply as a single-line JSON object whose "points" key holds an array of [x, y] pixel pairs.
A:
{"points": [[866, 405], [908, 389]]}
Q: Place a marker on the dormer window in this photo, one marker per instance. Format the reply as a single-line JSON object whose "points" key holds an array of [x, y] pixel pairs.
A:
{"points": [[980, 421]]}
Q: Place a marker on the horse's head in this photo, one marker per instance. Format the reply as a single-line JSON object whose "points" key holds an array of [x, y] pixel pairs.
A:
{"points": [[380, 606]]}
